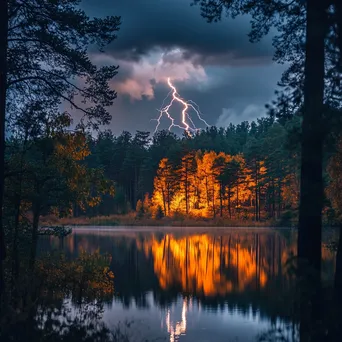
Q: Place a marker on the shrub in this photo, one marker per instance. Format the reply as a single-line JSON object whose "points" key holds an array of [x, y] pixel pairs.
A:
{"points": [[140, 210]]}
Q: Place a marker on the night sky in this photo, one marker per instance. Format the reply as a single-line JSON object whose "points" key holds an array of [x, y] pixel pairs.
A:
{"points": [[214, 64]]}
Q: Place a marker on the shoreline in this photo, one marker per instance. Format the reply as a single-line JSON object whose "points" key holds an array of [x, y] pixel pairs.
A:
{"points": [[173, 228], [130, 220], [134, 230]]}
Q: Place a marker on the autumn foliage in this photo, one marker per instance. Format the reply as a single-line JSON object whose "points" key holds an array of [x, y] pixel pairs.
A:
{"points": [[210, 184]]}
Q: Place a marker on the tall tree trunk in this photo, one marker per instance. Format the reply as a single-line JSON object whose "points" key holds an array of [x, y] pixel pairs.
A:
{"points": [[273, 199], [18, 200], [279, 198], [221, 200], [207, 191], [164, 201], [186, 192], [311, 187], [256, 193], [135, 187], [15, 256], [237, 199], [229, 204], [35, 223], [214, 199], [338, 270], [259, 204], [3, 87], [168, 199], [256, 204]]}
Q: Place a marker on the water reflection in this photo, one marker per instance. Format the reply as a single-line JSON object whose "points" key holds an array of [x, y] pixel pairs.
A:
{"points": [[179, 328], [231, 284], [211, 265]]}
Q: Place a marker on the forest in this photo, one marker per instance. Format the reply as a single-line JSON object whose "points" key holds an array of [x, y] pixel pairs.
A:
{"points": [[249, 171]]}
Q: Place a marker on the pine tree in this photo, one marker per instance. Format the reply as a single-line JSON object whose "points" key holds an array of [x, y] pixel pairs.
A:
{"points": [[140, 210], [186, 173]]}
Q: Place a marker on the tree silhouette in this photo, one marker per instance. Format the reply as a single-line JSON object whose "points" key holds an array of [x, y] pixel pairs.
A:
{"points": [[44, 58]]}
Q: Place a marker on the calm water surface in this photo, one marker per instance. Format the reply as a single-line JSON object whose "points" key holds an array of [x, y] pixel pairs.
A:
{"points": [[196, 284]]}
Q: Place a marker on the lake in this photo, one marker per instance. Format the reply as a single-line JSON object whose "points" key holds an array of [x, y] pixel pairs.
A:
{"points": [[195, 284]]}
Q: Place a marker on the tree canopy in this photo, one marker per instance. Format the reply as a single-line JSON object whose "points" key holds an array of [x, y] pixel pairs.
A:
{"points": [[47, 51]]}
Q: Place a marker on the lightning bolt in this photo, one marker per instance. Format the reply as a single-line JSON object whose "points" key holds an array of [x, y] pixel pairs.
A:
{"points": [[187, 123]]}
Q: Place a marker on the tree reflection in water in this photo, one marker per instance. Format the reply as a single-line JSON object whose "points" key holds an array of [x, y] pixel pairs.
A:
{"points": [[66, 302], [242, 272]]}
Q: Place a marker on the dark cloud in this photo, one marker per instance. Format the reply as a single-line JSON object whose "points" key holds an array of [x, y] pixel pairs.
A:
{"points": [[230, 78], [167, 24]]}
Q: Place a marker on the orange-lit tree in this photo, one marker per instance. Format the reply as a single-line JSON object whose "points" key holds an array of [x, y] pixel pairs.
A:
{"points": [[165, 186], [186, 173], [206, 176]]}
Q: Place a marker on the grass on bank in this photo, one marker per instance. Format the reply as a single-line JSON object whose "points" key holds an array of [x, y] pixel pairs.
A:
{"points": [[131, 219]]}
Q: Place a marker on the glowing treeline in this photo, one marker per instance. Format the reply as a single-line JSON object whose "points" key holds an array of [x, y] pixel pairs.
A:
{"points": [[209, 184]]}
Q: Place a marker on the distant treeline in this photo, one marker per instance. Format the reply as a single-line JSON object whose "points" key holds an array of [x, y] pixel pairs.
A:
{"points": [[244, 171], [248, 171]]}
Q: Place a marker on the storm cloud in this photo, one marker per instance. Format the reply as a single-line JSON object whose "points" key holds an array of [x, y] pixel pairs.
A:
{"points": [[168, 24], [214, 64]]}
